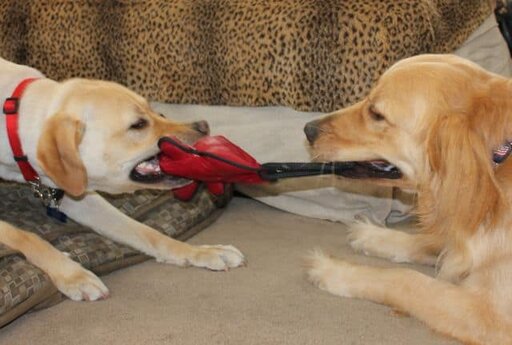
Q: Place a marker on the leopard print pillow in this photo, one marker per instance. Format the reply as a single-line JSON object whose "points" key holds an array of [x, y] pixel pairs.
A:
{"points": [[308, 54]]}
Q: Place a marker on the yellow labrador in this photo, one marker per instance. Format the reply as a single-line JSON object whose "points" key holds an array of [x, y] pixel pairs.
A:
{"points": [[84, 136]]}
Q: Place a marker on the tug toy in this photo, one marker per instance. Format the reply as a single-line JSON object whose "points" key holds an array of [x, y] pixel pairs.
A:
{"points": [[216, 161]]}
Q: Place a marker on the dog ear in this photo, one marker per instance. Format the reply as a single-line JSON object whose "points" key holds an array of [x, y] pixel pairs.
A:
{"points": [[463, 184], [57, 153]]}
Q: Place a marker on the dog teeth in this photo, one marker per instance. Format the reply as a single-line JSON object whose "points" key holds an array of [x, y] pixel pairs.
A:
{"points": [[382, 165], [149, 167]]}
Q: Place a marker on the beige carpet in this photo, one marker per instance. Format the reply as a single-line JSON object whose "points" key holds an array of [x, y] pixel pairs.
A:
{"points": [[268, 302]]}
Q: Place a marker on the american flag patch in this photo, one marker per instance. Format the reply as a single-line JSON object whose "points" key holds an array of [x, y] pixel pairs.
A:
{"points": [[502, 153]]}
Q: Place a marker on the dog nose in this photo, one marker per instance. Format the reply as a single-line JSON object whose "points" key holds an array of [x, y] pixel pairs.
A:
{"points": [[201, 127], [312, 130]]}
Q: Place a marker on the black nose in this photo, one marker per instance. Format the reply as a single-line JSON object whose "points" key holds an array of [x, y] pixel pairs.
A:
{"points": [[201, 127], [312, 130]]}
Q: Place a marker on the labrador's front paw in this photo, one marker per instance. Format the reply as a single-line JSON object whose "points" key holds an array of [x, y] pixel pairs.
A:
{"points": [[217, 257], [79, 284]]}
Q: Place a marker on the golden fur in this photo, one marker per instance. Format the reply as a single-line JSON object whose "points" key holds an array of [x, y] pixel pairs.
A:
{"points": [[438, 118]]}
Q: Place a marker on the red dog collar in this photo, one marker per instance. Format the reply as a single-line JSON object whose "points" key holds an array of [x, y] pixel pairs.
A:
{"points": [[49, 196], [11, 108]]}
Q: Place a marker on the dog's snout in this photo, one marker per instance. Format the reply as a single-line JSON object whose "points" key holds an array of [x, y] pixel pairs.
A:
{"points": [[201, 127], [312, 130]]}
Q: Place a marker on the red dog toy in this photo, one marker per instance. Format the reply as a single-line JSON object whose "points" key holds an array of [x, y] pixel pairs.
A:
{"points": [[213, 160], [216, 161]]}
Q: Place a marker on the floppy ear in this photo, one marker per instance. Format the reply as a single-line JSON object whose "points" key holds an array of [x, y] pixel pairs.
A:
{"points": [[463, 184], [57, 153]]}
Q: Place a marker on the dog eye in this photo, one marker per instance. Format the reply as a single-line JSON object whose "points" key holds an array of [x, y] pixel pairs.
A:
{"points": [[140, 124], [376, 116]]}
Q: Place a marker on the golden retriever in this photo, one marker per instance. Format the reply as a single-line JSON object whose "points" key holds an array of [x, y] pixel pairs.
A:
{"points": [[84, 136], [438, 118]]}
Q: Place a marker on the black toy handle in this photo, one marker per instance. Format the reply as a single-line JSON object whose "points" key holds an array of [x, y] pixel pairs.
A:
{"points": [[275, 171]]}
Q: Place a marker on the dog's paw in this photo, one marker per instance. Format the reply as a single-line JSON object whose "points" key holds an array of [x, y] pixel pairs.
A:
{"points": [[329, 274], [216, 257], [364, 237], [372, 240], [79, 284]]}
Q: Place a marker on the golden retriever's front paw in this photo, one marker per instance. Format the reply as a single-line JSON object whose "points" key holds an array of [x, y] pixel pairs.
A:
{"points": [[216, 257], [79, 284], [330, 274], [372, 240], [365, 238]]}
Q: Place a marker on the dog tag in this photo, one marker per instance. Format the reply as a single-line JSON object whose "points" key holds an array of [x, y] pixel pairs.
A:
{"points": [[56, 214]]}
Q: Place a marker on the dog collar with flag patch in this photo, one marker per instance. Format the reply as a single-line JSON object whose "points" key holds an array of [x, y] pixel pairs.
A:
{"points": [[49, 196]]}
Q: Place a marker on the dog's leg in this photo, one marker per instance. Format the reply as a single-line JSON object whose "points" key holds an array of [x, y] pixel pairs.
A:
{"points": [[394, 245], [68, 276], [447, 308], [95, 212]]}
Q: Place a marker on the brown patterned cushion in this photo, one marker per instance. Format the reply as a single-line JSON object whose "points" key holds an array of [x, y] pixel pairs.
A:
{"points": [[24, 287]]}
